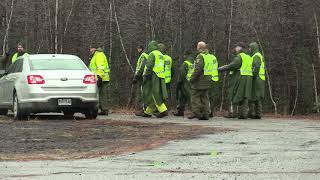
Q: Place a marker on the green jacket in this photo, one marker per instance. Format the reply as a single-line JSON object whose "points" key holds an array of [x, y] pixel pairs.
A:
{"points": [[258, 85], [154, 88], [140, 67], [99, 65], [240, 86], [198, 79]]}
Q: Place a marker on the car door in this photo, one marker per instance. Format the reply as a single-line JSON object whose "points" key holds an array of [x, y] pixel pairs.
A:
{"points": [[3, 100], [12, 79]]}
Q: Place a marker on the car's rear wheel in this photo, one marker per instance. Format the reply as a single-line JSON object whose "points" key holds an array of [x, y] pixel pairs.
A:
{"points": [[3, 112], [18, 113], [91, 114], [68, 114]]}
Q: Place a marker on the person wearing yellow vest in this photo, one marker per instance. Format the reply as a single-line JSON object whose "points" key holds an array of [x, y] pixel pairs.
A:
{"points": [[241, 68], [20, 52], [168, 70], [201, 83], [258, 82], [214, 93], [154, 86], [137, 80], [183, 92], [100, 66]]}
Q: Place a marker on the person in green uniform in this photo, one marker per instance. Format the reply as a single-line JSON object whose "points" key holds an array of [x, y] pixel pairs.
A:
{"points": [[214, 93], [137, 80], [100, 66], [20, 52], [168, 68], [201, 82], [183, 92], [241, 66], [232, 79], [155, 92], [258, 83]]}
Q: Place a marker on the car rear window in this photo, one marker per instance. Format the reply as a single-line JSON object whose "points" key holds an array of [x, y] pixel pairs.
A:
{"points": [[57, 64]]}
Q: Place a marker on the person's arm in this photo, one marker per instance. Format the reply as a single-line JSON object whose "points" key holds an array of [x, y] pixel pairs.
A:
{"points": [[100, 63], [198, 69], [233, 66], [256, 66], [183, 72], [150, 64], [139, 73]]}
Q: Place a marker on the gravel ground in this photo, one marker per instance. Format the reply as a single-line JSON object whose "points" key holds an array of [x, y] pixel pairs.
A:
{"points": [[255, 149]]}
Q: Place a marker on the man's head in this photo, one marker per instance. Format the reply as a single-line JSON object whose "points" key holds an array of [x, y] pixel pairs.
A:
{"points": [[162, 48], [201, 46], [239, 47], [20, 48], [140, 49], [253, 47]]}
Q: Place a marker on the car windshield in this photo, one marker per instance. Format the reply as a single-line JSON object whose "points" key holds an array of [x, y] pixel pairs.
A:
{"points": [[57, 64]]}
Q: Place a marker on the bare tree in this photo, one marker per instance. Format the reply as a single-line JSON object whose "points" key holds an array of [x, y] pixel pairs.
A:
{"points": [[6, 36]]}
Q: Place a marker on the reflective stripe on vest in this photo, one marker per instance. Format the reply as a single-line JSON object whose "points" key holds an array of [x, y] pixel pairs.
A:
{"points": [[139, 63], [210, 66], [262, 70], [158, 67], [167, 68], [190, 70], [246, 67]]}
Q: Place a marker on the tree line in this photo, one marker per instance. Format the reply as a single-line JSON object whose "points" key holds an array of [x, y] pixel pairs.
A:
{"points": [[286, 30]]}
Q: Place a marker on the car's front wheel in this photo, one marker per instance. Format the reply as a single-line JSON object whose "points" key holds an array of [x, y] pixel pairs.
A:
{"points": [[91, 114], [3, 112], [18, 113]]}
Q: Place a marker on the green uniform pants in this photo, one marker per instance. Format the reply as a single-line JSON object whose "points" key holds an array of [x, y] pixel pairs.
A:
{"points": [[183, 96], [137, 95], [255, 108], [243, 109], [103, 96], [169, 100], [200, 102], [214, 95]]}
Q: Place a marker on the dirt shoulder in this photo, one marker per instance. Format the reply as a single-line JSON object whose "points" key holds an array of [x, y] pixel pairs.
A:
{"points": [[77, 139]]}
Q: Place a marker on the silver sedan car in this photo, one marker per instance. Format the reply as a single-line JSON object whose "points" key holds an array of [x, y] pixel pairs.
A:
{"points": [[48, 83]]}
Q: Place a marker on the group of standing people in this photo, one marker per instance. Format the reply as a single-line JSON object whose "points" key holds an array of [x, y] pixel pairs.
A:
{"points": [[198, 82]]}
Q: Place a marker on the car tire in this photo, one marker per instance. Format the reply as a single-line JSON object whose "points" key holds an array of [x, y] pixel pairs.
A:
{"points": [[3, 112], [18, 113], [68, 114], [91, 114]]}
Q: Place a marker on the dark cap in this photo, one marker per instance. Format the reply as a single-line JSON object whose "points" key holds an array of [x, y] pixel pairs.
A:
{"points": [[241, 44]]}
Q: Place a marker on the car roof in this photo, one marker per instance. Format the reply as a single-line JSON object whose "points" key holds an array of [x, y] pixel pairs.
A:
{"points": [[52, 56]]}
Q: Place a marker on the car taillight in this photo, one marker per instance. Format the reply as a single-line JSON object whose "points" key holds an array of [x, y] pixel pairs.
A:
{"points": [[89, 79], [35, 79]]}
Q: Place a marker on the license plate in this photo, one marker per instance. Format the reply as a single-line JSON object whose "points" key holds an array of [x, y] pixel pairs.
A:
{"points": [[64, 102]]}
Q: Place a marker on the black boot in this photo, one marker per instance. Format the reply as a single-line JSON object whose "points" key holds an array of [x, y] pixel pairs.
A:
{"points": [[162, 115], [179, 113], [204, 117], [139, 113]]}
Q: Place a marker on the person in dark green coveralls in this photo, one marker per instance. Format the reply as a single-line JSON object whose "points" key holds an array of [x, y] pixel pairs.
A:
{"points": [[183, 92], [137, 80], [168, 67], [201, 83], [154, 88], [241, 66], [258, 83]]}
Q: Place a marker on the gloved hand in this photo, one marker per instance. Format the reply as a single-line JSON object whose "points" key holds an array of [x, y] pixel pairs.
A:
{"points": [[99, 81], [135, 81], [146, 78]]}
